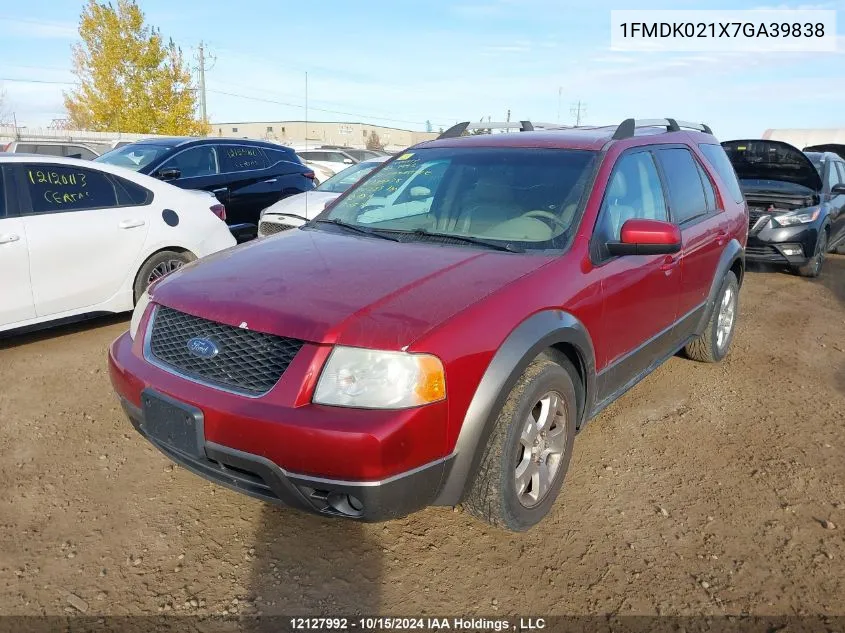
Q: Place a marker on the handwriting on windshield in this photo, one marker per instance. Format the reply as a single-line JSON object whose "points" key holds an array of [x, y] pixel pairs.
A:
{"points": [[64, 188], [386, 181]]}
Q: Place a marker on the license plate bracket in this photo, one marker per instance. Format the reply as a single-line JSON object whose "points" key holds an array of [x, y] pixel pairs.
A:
{"points": [[175, 424]]}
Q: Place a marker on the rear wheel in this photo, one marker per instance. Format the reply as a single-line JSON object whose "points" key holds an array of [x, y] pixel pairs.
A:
{"points": [[813, 267], [157, 266], [714, 343], [528, 453]]}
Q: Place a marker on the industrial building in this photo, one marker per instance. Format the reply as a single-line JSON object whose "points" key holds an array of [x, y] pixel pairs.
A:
{"points": [[802, 138], [307, 133]]}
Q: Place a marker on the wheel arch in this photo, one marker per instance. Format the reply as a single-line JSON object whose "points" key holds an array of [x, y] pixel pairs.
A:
{"points": [[548, 330], [732, 259]]}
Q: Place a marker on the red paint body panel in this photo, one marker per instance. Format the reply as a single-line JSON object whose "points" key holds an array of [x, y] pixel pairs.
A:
{"points": [[637, 231], [457, 303]]}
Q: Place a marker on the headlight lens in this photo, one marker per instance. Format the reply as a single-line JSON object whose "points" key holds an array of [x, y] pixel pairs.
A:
{"points": [[802, 216], [355, 377], [140, 308]]}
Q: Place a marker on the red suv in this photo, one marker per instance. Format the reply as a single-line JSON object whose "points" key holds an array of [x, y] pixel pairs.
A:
{"points": [[440, 333]]}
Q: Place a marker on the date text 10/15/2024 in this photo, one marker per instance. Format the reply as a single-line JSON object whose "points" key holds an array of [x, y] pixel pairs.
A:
{"points": [[416, 624]]}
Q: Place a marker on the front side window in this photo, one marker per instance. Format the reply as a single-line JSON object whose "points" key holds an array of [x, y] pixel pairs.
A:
{"points": [[832, 175], [59, 188], [841, 168], [194, 162], [633, 192], [686, 194], [718, 159], [527, 198]]}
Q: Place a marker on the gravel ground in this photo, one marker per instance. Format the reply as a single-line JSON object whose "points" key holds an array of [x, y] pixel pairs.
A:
{"points": [[708, 489]]}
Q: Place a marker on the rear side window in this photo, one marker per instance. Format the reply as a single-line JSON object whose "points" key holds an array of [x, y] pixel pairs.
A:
{"points": [[841, 168], [59, 188], [276, 155], [130, 194], [719, 160], [235, 158], [77, 151], [26, 148], [3, 175], [686, 193]]}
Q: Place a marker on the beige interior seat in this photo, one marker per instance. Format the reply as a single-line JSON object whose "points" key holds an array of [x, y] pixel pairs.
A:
{"points": [[487, 204]]}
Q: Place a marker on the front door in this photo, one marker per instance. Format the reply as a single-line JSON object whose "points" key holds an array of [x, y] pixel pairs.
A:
{"points": [[639, 292]]}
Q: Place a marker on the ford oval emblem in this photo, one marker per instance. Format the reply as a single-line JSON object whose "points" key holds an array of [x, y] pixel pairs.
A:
{"points": [[202, 347]]}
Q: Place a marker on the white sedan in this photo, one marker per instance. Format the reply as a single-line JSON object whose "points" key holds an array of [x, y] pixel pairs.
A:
{"points": [[78, 237], [296, 210]]}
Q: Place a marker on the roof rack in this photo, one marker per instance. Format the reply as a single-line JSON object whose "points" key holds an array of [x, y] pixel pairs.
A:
{"points": [[628, 127]]}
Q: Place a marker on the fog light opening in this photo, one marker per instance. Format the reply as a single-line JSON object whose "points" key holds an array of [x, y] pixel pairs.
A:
{"points": [[346, 504], [793, 249]]}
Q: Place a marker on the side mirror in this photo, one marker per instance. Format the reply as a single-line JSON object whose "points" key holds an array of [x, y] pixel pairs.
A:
{"points": [[347, 161], [646, 237], [838, 190], [171, 173], [420, 192]]}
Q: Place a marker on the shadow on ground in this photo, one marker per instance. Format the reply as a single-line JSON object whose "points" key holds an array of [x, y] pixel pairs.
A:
{"points": [[312, 566], [20, 337]]}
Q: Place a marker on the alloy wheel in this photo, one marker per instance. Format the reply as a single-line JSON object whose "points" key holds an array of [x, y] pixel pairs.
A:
{"points": [[542, 445], [725, 321]]}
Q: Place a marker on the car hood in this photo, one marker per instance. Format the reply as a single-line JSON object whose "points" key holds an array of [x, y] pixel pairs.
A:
{"points": [[326, 287], [307, 204], [759, 159]]}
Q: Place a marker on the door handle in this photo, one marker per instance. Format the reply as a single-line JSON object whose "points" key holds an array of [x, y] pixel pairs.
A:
{"points": [[130, 224], [721, 238], [9, 238], [669, 264], [271, 180], [221, 190]]}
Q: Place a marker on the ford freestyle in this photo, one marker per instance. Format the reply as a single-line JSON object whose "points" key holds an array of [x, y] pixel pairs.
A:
{"points": [[371, 363]]}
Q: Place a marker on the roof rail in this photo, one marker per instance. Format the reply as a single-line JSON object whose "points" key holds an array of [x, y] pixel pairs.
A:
{"points": [[459, 128], [628, 127]]}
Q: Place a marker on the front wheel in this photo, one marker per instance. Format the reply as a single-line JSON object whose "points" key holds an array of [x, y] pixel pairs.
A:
{"points": [[713, 344], [528, 453], [813, 267]]}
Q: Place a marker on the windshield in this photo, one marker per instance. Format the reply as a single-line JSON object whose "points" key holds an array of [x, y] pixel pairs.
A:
{"points": [[817, 158], [342, 180], [525, 197], [134, 156]]}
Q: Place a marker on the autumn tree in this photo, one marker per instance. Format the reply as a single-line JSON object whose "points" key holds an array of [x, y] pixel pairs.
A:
{"points": [[130, 78], [373, 141]]}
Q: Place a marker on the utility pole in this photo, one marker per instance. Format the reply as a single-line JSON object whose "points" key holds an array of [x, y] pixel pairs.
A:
{"points": [[306, 110], [578, 110], [202, 84], [509, 116]]}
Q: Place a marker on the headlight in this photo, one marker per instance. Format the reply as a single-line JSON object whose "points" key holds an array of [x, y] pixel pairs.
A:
{"points": [[802, 216], [140, 308], [355, 377]]}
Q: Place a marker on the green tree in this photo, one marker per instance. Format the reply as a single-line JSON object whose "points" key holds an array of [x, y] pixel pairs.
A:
{"points": [[130, 79]]}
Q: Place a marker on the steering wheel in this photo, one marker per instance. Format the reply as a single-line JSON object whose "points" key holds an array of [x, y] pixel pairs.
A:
{"points": [[547, 215]]}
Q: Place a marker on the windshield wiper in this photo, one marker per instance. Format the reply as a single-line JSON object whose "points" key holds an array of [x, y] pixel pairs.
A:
{"points": [[357, 229], [499, 246]]}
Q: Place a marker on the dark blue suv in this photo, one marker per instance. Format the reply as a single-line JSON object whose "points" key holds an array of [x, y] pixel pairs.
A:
{"points": [[247, 176]]}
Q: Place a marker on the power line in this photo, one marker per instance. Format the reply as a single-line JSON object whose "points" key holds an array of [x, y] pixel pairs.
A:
{"points": [[296, 105], [37, 81]]}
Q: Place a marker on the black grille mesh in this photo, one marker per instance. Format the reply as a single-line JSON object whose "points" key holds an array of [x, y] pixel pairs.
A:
{"points": [[270, 228], [755, 214], [248, 362]]}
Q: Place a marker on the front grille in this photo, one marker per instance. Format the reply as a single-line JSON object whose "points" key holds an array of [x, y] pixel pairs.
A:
{"points": [[271, 228], [754, 214], [246, 362]]}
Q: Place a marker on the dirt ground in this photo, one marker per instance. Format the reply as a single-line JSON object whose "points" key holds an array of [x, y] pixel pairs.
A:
{"points": [[708, 489]]}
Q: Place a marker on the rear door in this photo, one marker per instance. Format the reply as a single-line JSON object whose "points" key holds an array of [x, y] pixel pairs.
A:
{"points": [[697, 210], [15, 289], [85, 229], [253, 185], [199, 168]]}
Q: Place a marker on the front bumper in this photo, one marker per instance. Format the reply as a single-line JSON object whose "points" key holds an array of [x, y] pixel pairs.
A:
{"points": [[259, 477], [777, 245], [281, 448]]}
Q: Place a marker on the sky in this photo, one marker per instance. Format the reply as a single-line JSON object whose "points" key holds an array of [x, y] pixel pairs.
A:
{"points": [[402, 64]]}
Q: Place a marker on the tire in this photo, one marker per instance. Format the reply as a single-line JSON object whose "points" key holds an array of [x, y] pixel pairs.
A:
{"points": [[158, 265], [494, 496], [713, 344], [813, 267]]}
